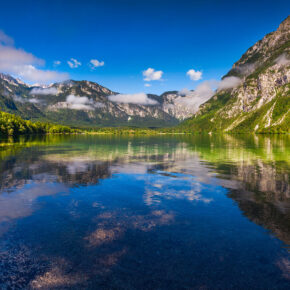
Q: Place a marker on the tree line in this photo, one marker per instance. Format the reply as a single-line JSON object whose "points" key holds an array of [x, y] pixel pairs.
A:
{"points": [[12, 125]]}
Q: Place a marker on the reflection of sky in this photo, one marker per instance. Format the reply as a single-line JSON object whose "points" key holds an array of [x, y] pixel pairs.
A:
{"points": [[49, 174], [177, 187], [68, 167], [89, 211], [22, 202]]}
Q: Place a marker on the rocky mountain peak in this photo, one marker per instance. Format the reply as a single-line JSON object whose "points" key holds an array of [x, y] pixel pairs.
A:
{"points": [[261, 99], [285, 25], [11, 80], [264, 52]]}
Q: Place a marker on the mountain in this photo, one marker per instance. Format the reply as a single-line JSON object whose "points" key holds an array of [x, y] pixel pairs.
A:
{"points": [[10, 101], [87, 104], [254, 95]]}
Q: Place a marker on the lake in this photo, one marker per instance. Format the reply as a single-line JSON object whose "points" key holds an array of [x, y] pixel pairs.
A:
{"points": [[158, 212]]}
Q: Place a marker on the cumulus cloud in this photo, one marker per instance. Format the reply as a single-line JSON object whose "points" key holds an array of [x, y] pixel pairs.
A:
{"points": [[73, 63], [74, 102], [282, 59], [95, 63], [23, 64], [11, 57], [147, 85], [56, 63], [79, 103], [229, 82], [194, 75], [194, 99], [151, 74], [139, 99], [35, 75], [44, 91]]}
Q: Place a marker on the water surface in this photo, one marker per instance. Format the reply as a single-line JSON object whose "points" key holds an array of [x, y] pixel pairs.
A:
{"points": [[165, 212]]}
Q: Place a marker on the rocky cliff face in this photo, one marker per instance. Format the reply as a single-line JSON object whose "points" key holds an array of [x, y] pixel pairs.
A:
{"points": [[260, 101]]}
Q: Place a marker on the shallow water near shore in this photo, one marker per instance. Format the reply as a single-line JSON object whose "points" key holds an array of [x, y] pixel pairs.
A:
{"points": [[159, 212]]}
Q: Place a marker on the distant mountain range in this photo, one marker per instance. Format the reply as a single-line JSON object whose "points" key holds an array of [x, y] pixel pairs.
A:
{"points": [[84, 103], [252, 97]]}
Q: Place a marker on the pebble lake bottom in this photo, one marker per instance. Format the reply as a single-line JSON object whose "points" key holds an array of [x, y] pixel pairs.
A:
{"points": [[159, 212]]}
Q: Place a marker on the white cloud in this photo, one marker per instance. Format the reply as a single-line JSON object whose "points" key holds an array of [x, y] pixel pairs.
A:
{"points": [[204, 92], [79, 103], [185, 92], [229, 82], [200, 95], [25, 100], [73, 63], [11, 58], [147, 85], [139, 99], [194, 75], [56, 63], [34, 101], [35, 75], [18, 99], [246, 69], [24, 65], [282, 60], [44, 91], [152, 75], [74, 102], [95, 63]]}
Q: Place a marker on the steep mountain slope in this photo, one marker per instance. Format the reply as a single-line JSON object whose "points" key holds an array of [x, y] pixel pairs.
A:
{"points": [[84, 103], [260, 101]]}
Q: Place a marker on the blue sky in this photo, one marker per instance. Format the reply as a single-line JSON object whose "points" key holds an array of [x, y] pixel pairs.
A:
{"points": [[132, 36]]}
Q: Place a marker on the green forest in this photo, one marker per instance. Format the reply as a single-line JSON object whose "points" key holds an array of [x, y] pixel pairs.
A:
{"points": [[11, 125]]}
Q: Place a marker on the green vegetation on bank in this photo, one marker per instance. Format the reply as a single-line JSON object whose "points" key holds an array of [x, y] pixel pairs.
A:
{"points": [[139, 131], [11, 125], [121, 131]]}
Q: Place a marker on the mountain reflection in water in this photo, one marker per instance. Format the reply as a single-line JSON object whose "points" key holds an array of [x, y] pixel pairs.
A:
{"points": [[204, 212]]}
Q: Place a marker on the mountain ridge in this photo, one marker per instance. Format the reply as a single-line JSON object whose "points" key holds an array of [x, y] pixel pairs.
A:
{"points": [[86, 103]]}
